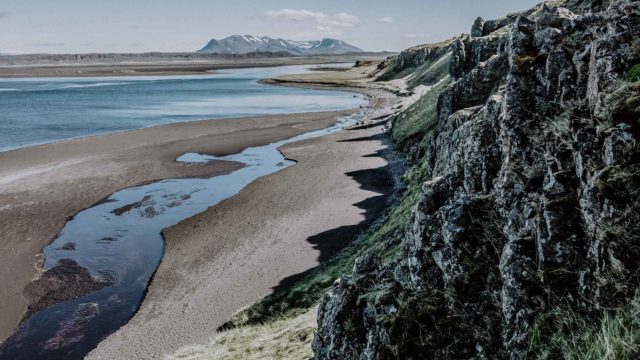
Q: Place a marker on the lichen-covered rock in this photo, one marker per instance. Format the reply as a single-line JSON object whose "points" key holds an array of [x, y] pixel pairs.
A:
{"points": [[530, 200]]}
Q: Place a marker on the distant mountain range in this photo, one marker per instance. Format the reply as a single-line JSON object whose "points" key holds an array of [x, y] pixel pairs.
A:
{"points": [[244, 44]]}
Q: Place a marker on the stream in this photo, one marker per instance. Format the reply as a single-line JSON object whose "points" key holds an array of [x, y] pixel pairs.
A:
{"points": [[120, 240]]}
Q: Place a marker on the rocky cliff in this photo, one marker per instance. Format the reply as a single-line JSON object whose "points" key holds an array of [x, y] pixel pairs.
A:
{"points": [[526, 149]]}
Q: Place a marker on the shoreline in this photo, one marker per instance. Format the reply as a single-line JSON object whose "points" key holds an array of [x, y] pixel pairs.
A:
{"points": [[165, 68], [262, 239], [253, 244], [44, 185], [197, 121], [257, 133]]}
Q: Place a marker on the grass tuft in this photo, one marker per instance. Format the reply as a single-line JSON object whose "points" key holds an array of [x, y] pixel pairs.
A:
{"points": [[624, 103], [286, 338], [615, 337]]}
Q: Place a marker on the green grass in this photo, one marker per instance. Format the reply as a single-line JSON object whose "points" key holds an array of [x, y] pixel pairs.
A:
{"points": [[394, 72], [633, 74], [428, 73], [420, 117], [431, 72], [615, 337], [308, 291]]}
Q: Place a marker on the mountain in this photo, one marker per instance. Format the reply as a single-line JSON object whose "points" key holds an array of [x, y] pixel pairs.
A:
{"points": [[243, 44], [329, 46]]}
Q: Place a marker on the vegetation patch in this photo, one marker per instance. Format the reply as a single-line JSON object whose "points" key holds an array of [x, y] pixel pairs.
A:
{"points": [[633, 74], [615, 336], [431, 72], [420, 117], [279, 339], [624, 104]]}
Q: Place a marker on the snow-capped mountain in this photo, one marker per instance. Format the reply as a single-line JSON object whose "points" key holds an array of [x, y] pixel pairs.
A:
{"points": [[243, 44], [330, 46]]}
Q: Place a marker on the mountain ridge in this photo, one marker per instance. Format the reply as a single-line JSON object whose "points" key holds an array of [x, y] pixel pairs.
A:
{"points": [[243, 44]]}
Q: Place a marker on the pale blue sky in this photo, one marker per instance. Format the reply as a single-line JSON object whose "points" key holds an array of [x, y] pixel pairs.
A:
{"points": [[28, 26]]}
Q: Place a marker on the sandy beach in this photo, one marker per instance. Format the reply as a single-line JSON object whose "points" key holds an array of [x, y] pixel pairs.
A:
{"points": [[42, 186], [241, 249], [225, 258], [247, 247]]}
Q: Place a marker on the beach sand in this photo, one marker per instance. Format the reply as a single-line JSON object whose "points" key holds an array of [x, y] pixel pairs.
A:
{"points": [[42, 186], [223, 259], [238, 251], [253, 244]]}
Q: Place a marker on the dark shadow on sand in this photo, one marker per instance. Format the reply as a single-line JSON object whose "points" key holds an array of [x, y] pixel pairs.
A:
{"points": [[330, 242]]}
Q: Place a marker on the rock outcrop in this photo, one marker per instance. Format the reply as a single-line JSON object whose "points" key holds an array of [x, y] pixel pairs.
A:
{"points": [[530, 200]]}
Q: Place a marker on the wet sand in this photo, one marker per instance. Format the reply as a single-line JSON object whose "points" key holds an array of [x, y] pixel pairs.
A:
{"points": [[41, 186], [241, 249], [248, 246]]}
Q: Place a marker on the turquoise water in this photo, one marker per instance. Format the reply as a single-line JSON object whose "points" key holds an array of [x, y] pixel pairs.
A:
{"points": [[41, 110]]}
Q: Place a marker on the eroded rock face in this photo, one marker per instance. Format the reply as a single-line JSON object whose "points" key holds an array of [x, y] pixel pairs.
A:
{"points": [[530, 200]]}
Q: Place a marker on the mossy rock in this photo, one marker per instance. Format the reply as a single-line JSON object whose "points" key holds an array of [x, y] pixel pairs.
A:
{"points": [[624, 104]]}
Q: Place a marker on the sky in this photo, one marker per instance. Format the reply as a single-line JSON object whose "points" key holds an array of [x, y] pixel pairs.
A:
{"points": [[77, 26]]}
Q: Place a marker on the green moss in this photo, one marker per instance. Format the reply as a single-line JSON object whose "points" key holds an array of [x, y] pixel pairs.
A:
{"points": [[524, 62], [431, 72], [420, 117], [633, 74]]}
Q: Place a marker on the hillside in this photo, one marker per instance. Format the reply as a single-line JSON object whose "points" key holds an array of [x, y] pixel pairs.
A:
{"points": [[517, 234], [524, 237]]}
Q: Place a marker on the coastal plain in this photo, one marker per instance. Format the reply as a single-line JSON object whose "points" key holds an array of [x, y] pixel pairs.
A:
{"points": [[42, 186], [219, 261]]}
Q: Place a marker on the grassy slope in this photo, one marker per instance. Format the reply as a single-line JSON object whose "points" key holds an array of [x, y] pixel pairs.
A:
{"points": [[286, 338], [418, 118]]}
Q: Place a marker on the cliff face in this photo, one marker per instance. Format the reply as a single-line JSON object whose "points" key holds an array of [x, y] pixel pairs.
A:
{"points": [[530, 202]]}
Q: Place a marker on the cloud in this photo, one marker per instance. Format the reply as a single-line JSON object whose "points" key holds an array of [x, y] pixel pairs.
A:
{"points": [[415, 36], [295, 15], [5, 14], [324, 23], [386, 19]]}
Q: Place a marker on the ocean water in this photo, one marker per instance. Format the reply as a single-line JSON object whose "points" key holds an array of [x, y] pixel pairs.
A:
{"points": [[42, 110]]}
